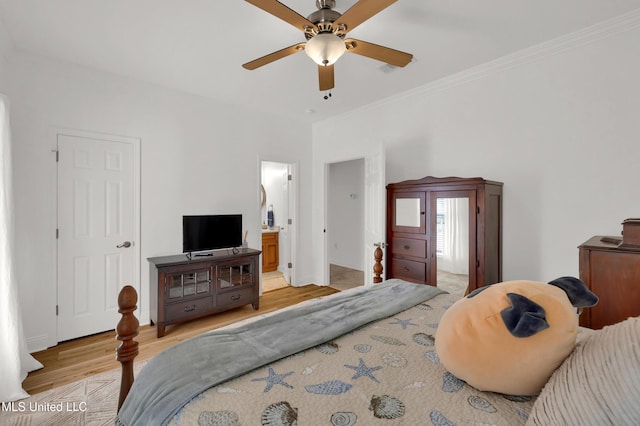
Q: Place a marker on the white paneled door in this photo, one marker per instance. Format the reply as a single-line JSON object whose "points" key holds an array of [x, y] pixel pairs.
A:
{"points": [[375, 208], [95, 236]]}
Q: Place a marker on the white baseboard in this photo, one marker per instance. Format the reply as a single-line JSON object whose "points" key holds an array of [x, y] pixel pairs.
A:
{"points": [[37, 343]]}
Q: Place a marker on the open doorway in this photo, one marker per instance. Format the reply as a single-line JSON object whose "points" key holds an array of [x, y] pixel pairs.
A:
{"points": [[345, 225], [277, 224]]}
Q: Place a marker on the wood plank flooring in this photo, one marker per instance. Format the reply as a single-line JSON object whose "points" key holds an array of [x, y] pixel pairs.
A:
{"points": [[79, 358]]}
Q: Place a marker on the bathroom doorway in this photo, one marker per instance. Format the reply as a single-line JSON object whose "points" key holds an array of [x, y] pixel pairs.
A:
{"points": [[278, 224]]}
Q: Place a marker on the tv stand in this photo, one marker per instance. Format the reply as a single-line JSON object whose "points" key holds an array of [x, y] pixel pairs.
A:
{"points": [[183, 288]]}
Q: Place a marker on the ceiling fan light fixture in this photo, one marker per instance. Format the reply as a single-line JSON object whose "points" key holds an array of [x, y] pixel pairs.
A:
{"points": [[325, 48]]}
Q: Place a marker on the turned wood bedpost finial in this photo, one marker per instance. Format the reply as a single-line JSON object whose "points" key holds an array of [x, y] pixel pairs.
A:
{"points": [[377, 266], [126, 330]]}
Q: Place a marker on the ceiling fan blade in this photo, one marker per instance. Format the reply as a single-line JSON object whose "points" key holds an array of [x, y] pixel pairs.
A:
{"points": [[381, 53], [361, 11], [267, 59], [281, 11], [325, 77]]}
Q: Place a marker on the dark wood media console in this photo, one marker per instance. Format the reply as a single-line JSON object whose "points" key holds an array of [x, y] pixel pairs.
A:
{"points": [[183, 288]]}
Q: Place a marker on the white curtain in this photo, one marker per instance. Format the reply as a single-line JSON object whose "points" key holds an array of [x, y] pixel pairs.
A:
{"points": [[455, 252], [15, 360]]}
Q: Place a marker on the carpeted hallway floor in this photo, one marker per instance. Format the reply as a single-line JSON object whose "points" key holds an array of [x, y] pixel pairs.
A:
{"points": [[343, 278]]}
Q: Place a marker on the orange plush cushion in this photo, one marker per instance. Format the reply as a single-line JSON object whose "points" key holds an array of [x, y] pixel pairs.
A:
{"points": [[474, 344]]}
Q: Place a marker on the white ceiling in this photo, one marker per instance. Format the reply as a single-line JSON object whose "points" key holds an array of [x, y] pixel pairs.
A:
{"points": [[198, 46]]}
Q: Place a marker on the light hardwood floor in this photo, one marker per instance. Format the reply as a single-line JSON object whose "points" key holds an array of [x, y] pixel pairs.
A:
{"points": [[79, 358]]}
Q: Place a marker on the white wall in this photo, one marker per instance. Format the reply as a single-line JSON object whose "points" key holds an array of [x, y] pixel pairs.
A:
{"points": [[558, 124], [345, 213], [198, 156], [6, 47]]}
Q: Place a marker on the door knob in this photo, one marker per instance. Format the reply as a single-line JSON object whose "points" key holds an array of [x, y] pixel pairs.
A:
{"points": [[126, 244]]}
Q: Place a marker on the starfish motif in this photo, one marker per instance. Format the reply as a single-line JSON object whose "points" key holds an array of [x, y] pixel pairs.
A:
{"points": [[363, 371], [403, 323], [274, 379]]}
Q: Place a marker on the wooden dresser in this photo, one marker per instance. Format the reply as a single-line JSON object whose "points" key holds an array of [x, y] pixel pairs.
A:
{"points": [[183, 289], [611, 270], [415, 222]]}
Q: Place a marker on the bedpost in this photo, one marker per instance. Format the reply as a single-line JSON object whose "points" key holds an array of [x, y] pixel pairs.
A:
{"points": [[126, 330], [377, 266]]}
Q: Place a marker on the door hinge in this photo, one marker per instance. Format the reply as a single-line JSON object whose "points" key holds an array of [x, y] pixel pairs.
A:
{"points": [[289, 177], [57, 233], [57, 312], [289, 265], [289, 221], [57, 155]]}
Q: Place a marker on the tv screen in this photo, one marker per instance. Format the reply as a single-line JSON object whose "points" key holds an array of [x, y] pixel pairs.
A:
{"points": [[210, 232]]}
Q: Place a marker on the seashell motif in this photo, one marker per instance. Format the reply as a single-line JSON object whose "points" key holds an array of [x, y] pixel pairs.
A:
{"points": [[423, 339], [343, 418], [388, 340], [279, 414], [308, 370], [328, 348], [394, 360], [481, 404], [451, 383], [386, 407], [432, 356], [517, 398], [438, 419], [218, 418], [332, 387], [424, 307], [362, 348]]}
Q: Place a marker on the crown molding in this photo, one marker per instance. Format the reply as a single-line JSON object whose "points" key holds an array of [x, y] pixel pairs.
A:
{"points": [[591, 34]]}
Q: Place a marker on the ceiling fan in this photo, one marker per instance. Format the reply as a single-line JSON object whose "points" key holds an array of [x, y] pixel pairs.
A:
{"points": [[325, 31]]}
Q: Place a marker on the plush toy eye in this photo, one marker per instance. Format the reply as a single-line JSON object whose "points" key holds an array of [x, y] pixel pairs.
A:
{"points": [[524, 317]]}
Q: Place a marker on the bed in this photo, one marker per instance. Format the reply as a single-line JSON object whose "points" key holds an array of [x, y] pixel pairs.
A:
{"points": [[363, 356]]}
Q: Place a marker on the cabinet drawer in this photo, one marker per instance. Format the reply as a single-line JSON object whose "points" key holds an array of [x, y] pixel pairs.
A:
{"points": [[186, 309], [238, 297], [409, 247], [409, 270]]}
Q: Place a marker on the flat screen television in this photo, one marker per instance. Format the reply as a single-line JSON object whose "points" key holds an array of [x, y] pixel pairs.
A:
{"points": [[210, 232]]}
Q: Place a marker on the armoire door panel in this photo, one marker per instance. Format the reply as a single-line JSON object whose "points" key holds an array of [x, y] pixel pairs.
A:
{"points": [[409, 212]]}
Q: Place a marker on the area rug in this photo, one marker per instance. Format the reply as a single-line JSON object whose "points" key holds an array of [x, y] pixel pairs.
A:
{"points": [[92, 401]]}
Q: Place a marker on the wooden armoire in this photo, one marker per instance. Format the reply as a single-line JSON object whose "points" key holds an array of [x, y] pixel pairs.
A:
{"points": [[417, 217]]}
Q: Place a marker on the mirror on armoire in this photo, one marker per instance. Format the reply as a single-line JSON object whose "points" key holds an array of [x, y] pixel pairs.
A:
{"points": [[452, 244]]}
